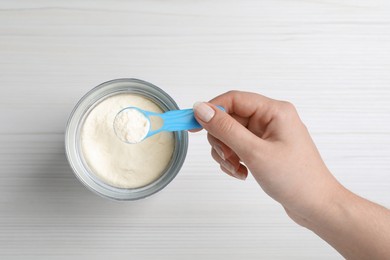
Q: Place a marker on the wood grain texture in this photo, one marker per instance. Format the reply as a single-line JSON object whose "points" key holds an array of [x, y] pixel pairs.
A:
{"points": [[331, 58]]}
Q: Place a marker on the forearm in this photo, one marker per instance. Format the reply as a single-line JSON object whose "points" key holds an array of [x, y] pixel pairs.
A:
{"points": [[356, 227]]}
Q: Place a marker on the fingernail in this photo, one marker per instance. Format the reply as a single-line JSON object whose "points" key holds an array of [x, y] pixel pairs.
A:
{"points": [[204, 111], [219, 151], [228, 166]]}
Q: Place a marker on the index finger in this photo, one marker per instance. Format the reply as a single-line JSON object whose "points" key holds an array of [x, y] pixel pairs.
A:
{"points": [[246, 104]]}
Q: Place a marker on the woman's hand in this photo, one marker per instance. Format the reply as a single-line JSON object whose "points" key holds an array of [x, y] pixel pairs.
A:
{"points": [[268, 138]]}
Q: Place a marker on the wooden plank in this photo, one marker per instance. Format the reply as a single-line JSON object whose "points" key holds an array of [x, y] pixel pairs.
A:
{"points": [[330, 58]]}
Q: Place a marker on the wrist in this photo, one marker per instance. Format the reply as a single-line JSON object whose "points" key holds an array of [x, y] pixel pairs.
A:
{"points": [[332, 210], [325, 201], [354, 226]]}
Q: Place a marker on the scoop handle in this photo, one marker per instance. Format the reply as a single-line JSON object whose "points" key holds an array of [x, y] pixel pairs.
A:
{"points": [[178, 120]]}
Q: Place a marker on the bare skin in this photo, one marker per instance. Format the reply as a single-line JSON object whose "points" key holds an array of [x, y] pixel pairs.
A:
{"points": [[267, 138]]}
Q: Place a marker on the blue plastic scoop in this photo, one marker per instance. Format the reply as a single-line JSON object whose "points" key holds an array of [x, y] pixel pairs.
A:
{"points": [[132, 124]]}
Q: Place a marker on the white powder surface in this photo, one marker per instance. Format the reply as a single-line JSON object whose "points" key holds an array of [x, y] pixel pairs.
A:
{"points": [[131, 125], [118, 163]]}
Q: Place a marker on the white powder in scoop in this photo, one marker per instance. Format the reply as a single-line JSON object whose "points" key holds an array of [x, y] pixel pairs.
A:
{"points": [[131, 126], [118, 163]]}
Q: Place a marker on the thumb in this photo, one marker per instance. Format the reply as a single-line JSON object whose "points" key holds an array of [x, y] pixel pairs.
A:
{"points": [[225, 128]]}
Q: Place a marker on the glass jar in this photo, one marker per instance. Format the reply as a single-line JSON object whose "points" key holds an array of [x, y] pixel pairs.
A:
{"points": [[73, 142]]}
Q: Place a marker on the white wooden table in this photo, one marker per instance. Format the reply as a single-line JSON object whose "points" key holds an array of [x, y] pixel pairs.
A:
{"points": [[331, 58]]}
